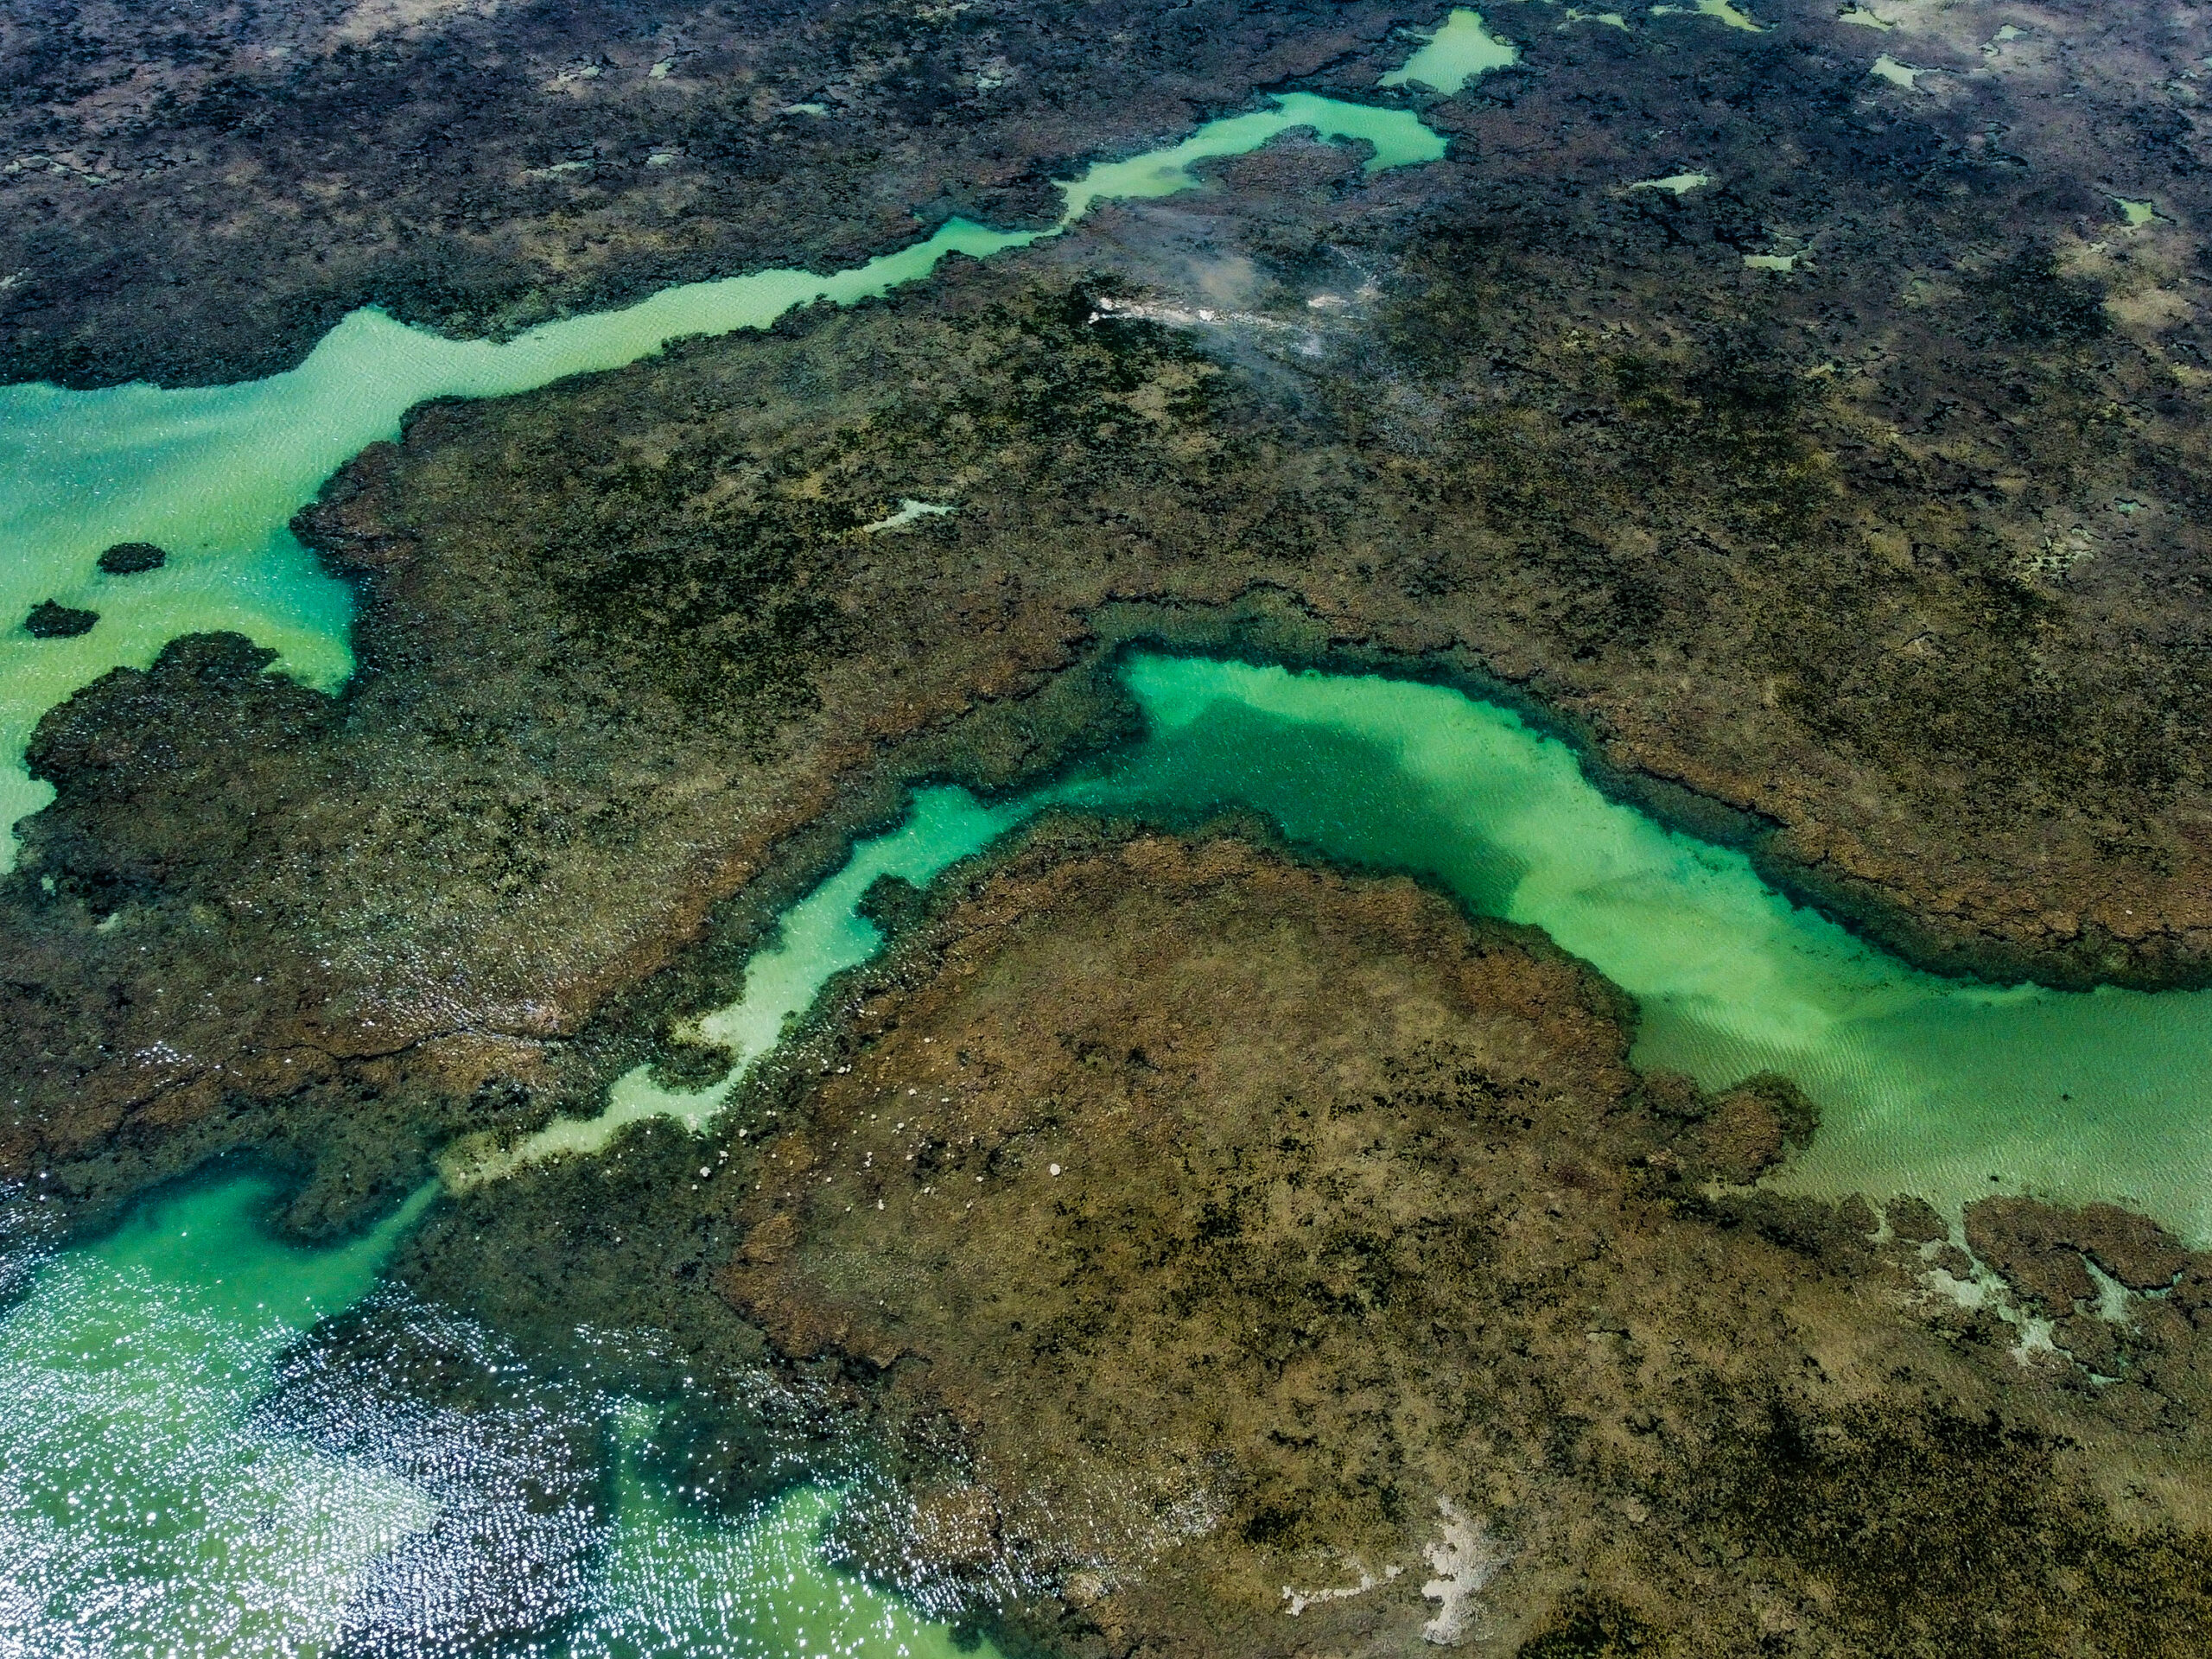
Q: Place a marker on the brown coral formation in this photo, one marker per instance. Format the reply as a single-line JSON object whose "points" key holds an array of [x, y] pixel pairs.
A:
{"points": [[1193, 1222], [194, 195]]}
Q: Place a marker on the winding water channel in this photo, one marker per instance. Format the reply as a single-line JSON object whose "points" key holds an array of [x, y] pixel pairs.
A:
{"points": [[160, 1511], [148, 1506]]}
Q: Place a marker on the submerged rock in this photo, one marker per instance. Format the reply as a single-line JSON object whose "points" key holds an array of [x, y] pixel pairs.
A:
{"points": [[130, 558], [51, 619], [2042, 1249]]}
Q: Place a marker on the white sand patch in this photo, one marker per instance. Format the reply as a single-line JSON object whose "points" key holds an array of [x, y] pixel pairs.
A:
{"points": [[1464, 1561]]}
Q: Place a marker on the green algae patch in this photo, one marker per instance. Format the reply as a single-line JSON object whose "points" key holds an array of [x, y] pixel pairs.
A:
{"points": [[1674, 183], [1720, 10], [1898, 74], [1459, 50]]}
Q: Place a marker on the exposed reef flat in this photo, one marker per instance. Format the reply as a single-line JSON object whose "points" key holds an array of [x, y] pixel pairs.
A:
{"points": [[1898, 555], [190, 200], [1819, 443], [1183, 1224]]}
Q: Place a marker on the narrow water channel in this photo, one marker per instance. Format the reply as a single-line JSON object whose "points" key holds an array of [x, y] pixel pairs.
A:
{"points": [[214, 475], [1947, 1089]]}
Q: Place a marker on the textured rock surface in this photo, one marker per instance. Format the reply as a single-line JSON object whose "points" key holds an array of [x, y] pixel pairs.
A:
{"points": [[194, 195], [1184, 1224]]}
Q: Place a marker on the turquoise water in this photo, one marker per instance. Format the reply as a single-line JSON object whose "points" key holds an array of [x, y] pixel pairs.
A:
{"points": [[147, 1512], [215, 473], [1463, 49], [1947, 1089], [143, 1510]]}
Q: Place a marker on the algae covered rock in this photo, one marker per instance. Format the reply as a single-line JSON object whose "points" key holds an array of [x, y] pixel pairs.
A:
{"points": [[132, 558], [51, 619]]}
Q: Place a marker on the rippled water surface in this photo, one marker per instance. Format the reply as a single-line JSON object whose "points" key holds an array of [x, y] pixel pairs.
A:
{"points": [[160, 1500]]}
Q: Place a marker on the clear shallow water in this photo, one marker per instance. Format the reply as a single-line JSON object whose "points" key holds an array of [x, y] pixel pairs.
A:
{"points": [[148, 1508], [143, 1510], [1928, 1085], [215, 473], [1461, 50]]}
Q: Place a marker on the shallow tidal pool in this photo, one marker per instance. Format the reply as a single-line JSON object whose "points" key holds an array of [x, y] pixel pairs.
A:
{"points": [[152, 1506]]}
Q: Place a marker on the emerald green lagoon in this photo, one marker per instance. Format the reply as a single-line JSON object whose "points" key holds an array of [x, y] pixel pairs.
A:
{"points": [[1947, 1089], [214, 475]]}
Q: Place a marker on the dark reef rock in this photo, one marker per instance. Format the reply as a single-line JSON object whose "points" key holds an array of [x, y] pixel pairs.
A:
{"points": [[1915, 1221], [2041, 1247], [51, 619], [195, 197], [130, 558]]}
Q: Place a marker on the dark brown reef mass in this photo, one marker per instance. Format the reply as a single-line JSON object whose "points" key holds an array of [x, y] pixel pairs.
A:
{"points": [[1849, 504]]}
